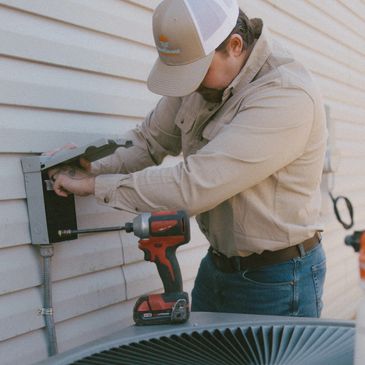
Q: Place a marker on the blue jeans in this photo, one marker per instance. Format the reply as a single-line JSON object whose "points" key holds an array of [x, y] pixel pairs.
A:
{"points": [[291, 288]]}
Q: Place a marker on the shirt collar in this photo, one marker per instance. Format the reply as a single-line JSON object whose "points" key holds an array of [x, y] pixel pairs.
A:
{"points": [[259, 55]]}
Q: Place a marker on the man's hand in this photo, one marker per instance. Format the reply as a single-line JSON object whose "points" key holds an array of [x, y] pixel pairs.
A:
{"points": [[72, 180]]}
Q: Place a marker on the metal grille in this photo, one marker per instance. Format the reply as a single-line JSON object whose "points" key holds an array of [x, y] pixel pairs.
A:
{"points": [[254, 345]]}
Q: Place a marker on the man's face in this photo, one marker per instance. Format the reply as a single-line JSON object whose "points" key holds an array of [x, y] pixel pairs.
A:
{"points": [[219, 75], [225, 66], [216, 79]]}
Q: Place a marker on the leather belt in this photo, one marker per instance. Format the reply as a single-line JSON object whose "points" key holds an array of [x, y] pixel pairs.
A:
{"points": [[266, 258]]}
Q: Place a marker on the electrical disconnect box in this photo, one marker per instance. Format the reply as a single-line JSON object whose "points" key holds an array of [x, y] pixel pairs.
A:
{"points": [[48, 212]]}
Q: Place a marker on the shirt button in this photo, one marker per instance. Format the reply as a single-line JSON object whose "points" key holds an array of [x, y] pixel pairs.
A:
{"points": [[182, 121], [106, 200]]}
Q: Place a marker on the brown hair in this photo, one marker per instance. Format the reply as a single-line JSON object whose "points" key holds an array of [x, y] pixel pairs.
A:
{"points": [[248, 29]]}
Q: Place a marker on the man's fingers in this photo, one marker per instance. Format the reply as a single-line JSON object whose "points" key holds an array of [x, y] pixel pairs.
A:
{"points": [[58, 187], [52, 173]]}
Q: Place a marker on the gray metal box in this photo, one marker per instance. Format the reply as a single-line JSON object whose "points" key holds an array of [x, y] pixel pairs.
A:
{"points": [[48, 212]]}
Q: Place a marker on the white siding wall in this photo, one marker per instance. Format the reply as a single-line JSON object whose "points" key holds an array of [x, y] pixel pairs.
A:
{"points": [[74, 70]]}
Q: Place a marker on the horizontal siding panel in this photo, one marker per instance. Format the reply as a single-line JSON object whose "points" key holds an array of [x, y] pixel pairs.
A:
{"points": [[70, 333], [322, 65], [93, 325], [26, 349], [345, 113], [118, 18], [128, 64], [34, 130], [149, 4], [338, 307], [11, 178], [341, 14], [14, 223], [321, 22], [19, 313], [20, 266], [90, 253], [295, 30], [28, 84], [87, 293], [90, 214], [357, 7], [19, 269], [351, 167], [52, 97], [350, 131], [342, 184], [74, 47], [340, 92], [352, 152]]}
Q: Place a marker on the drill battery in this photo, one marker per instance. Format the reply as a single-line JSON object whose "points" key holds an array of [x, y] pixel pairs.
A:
{"points": [[166, 308]]}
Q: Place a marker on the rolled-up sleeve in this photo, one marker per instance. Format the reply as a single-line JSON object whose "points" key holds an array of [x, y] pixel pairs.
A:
{"points": [[157, 137], [269, 132]]}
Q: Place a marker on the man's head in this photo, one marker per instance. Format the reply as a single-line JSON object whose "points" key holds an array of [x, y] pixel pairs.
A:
{"points": [[199, 42], [230, 56]]}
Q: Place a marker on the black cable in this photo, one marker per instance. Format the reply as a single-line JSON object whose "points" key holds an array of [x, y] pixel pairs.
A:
{"points": [[349, 208]]}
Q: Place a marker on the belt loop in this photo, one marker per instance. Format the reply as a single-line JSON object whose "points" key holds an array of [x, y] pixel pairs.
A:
{"points": [[319, 236], [301, 249], [237, 262]]}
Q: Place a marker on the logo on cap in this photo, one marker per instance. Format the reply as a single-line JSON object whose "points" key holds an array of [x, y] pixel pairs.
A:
{"points": [[164, 47]]}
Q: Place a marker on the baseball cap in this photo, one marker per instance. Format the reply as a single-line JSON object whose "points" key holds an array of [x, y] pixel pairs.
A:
{"points": [[186, 34]]}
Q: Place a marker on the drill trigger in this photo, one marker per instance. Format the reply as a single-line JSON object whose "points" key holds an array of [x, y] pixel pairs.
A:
{"points": [[147, 254]]}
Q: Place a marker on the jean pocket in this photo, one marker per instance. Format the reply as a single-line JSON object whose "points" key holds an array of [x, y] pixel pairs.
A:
{"points": [[319, 275], [270, 276]]}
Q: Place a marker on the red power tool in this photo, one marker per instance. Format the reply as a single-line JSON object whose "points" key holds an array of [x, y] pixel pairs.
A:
{"points": [[160, 234]]}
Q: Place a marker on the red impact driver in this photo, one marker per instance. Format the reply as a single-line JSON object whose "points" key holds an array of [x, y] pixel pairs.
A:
{"points": [[160, 234]]}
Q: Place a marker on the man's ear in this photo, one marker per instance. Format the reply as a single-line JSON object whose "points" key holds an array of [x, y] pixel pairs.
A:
{"points": [[235, 45]]}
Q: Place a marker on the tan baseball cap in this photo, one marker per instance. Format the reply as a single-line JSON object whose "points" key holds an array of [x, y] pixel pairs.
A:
{"points": [[186, 34]]}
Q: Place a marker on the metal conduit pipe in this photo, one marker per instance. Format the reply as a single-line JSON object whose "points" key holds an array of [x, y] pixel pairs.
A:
{"points": [[46, 252]]}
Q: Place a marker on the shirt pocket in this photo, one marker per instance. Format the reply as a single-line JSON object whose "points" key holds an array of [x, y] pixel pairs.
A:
{"points": [[185, 121]]}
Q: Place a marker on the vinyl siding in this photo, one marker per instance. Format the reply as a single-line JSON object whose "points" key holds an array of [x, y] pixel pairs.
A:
{"points": [[75, 70]]}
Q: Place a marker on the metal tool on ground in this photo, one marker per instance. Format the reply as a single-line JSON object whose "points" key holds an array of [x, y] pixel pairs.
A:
{"points": [[160, 233]]}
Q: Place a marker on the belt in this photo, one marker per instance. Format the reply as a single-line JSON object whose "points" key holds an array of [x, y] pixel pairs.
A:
{"points": [[266, 258]]}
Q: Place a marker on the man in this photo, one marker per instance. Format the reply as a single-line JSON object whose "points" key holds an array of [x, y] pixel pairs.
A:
{"points": [[250, 124]]}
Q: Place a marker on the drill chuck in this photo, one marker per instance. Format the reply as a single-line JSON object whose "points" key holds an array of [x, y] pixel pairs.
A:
{"points": [[64, 233]]}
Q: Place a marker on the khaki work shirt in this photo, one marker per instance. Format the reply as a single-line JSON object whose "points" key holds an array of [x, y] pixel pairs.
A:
{"points": [[252, 163]]}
